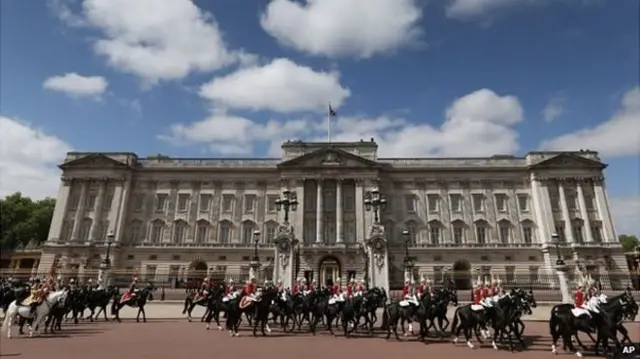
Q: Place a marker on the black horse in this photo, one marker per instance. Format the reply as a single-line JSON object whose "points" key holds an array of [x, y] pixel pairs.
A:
{"points": [[261, 310], [216, 305], [246, 305], [441, 299], [194, 299], [395, 313], [99, 299], [139, 300], [283, 308]]}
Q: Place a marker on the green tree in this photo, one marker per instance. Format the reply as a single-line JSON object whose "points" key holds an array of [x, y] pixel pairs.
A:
{"points": [[24, 220], [628, 242]]}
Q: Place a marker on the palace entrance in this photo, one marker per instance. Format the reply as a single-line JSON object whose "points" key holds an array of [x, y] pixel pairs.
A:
{"points": [[329, 271], [197, 272], [462, 274]]}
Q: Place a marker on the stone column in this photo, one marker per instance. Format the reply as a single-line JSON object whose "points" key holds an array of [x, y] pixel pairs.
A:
{"points": [[602, 202], [568, 233], [583, 213], [115, 207], [541, 207], [360, 211], [80, 212], [319, 213], [297, 218], [339, 234], [561, 271], [97, 214], [60, 210]]}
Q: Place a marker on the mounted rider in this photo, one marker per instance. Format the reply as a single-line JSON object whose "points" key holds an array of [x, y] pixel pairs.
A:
{"points": [[303, 287], [279, 285], [409, 294], [231, 291], [579, 297], [314, 286], [478, 293], [131, 294], [205, 288], [37, 295], [337, 294], [422, 287], [360, 288], [348, 290], [72, 284]]}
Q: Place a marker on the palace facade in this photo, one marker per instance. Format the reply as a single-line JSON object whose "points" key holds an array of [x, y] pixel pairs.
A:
{"points": [[465, 217]]}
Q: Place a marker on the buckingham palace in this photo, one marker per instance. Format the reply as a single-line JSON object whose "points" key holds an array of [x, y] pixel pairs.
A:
{"points": [[326, 211]]}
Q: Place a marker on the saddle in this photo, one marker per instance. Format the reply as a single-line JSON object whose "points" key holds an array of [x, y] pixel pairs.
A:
{"points": [[580, 311], [404, 303], [477, 307], [245, 302]]}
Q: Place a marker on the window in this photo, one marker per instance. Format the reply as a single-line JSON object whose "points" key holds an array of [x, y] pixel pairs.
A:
{"points": [[456, 202], [596, 232], [559, 227], [527, 235], [179, 232], [272, 228], [389, 208], [433, 202], [350, 231], [161, 201], [75, 200], [504, 230], [481, 233], [67, 230], [410, 203], [156, 232], [202, 230], [533, 274], [437, 274], [134, 232], [523, 202], [348, 203], [571, 202], [247, 232], [104, 229], [309, 230], [138, 202], [227, 203], [249, 203], [434, 233], [501, 202], [412, 229], [478, 202], [205, 202], [183, 202], [150, 273], [458, 233], [555, 203], [108, 200], [85, 229], [225, 233], [589, 202], [90, 203], [577, 232], [271, 204]]}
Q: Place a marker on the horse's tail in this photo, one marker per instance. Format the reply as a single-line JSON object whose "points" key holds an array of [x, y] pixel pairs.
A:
{"points": [[8, 317], [553, 323], [454, 325], [186, 304], [385, 318]]}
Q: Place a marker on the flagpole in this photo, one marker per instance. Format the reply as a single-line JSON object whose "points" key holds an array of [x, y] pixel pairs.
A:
{"points": [[329, 123]]}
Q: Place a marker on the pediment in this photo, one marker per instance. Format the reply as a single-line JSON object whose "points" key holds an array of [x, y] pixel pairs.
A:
{"points": [[568, 161], [96, 160], [329, 158]]}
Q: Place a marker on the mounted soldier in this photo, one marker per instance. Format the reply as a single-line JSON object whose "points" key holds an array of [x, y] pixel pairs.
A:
{"points": [[296, 287], [422, 287], [131, 294], [72, 284], [478, 293], [37, 296], [203, 292], [579, 297], [336, 291], [360, 289], [279, 285], [314, 286]]}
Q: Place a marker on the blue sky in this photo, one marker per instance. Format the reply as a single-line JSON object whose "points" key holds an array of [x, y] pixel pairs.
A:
{"points": [[235, 78]]}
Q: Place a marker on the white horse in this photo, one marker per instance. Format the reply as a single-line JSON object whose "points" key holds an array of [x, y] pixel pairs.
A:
{"points": [[41, 312]]}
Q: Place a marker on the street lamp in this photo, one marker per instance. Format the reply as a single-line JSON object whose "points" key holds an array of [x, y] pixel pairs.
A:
{"points": [[365, 258], [256, 239], [406, 235], [286, 203], [110, 237], [555, 239], [374, 201]]}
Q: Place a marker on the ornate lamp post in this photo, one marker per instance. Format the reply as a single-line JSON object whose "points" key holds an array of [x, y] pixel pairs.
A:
{"points": [[365, 258], [287, 203], [254, 266], [375, 201], [561, 271], [408, 263], [105, 266]]}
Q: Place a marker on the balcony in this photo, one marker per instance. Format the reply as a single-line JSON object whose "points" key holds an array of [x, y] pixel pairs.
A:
{"points": [[222, 246], [475, 245]]}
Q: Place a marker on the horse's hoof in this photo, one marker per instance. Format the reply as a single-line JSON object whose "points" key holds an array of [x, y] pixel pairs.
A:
{"points": [[219, 328], [206, 327]]}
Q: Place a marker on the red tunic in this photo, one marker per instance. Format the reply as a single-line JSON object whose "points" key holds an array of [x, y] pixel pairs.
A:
{"points": [[227, 289], [578, 298], [302, 288], [477, 296], [485, 293], [249, 289], [360, 288], [294, 289], [335, 290], [349, 290], [405, 291], [420, 289]]}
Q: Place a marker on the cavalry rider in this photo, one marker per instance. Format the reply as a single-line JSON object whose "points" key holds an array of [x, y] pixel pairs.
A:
{"points": [[228, 287], [314, 286], [133, 290], [408, 293], [422, 287], [406, 290], [303, 287], [336, 291], [204, 290], [360, 288], [37, 295], [486, 292], [279, 285], [72, 284], [578, 297], [348, 290], [593, 289], [478, 293], [494, 289]]}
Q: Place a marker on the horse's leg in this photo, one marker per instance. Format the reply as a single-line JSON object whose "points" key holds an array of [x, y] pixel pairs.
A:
{"points": [[467, 334], [144, 313], [206, 311]]}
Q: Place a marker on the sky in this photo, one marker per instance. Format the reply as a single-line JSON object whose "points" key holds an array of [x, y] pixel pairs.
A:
{"points": [[231, 78]]}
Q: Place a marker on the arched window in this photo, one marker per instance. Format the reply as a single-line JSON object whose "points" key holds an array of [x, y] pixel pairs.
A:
{"points": [[482, 231], [271, 229], [412, 227], [435, 232], [135, 232], [528, 231], [458, 229], [577, 226], [504, 231], [202, 231], [157, 229], [179, 231], [85, 230], [248, 227], [226, 230]]}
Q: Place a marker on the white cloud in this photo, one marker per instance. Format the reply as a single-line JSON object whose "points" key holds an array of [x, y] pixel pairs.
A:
{"points": [[280, 86], [335, 28], [477, 124], [554, 109], [165, 40], [618, 136], [483, 9], [76, 85], [28, 159], [626, 211]]}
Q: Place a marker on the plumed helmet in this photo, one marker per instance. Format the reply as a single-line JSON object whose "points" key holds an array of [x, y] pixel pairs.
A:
{"points": [[407, 281], [423, 280], [230, 280], [72, 280], [206, 279], [304, 280], [279, 281], [428, 281], [135, 279]]}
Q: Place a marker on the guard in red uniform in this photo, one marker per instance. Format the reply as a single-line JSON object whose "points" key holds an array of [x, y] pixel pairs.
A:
{"points": [[406, 289], [478, 294], [132, 291], [349, 291], [295, 288], [303, 286], [336, 290], [578, 297], [593, 290], [420, 289], [360, 287], [228, 287], [249, 288], [313, 286], [486, 293], [279, 285], [494, 289]]}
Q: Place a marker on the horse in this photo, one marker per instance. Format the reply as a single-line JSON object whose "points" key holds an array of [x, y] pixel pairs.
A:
{"points": [[505, 314], [283, 307], [471, 317], [215, 305], [440, 301], [238, 306], [13, 293], [100, 298], [41, 312], [261, 310], [139, 300], [192, 299], [395, 312]]}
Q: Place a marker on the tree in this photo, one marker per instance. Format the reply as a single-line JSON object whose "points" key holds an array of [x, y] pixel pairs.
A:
{"points": [[628, 242], [24, 220]]}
